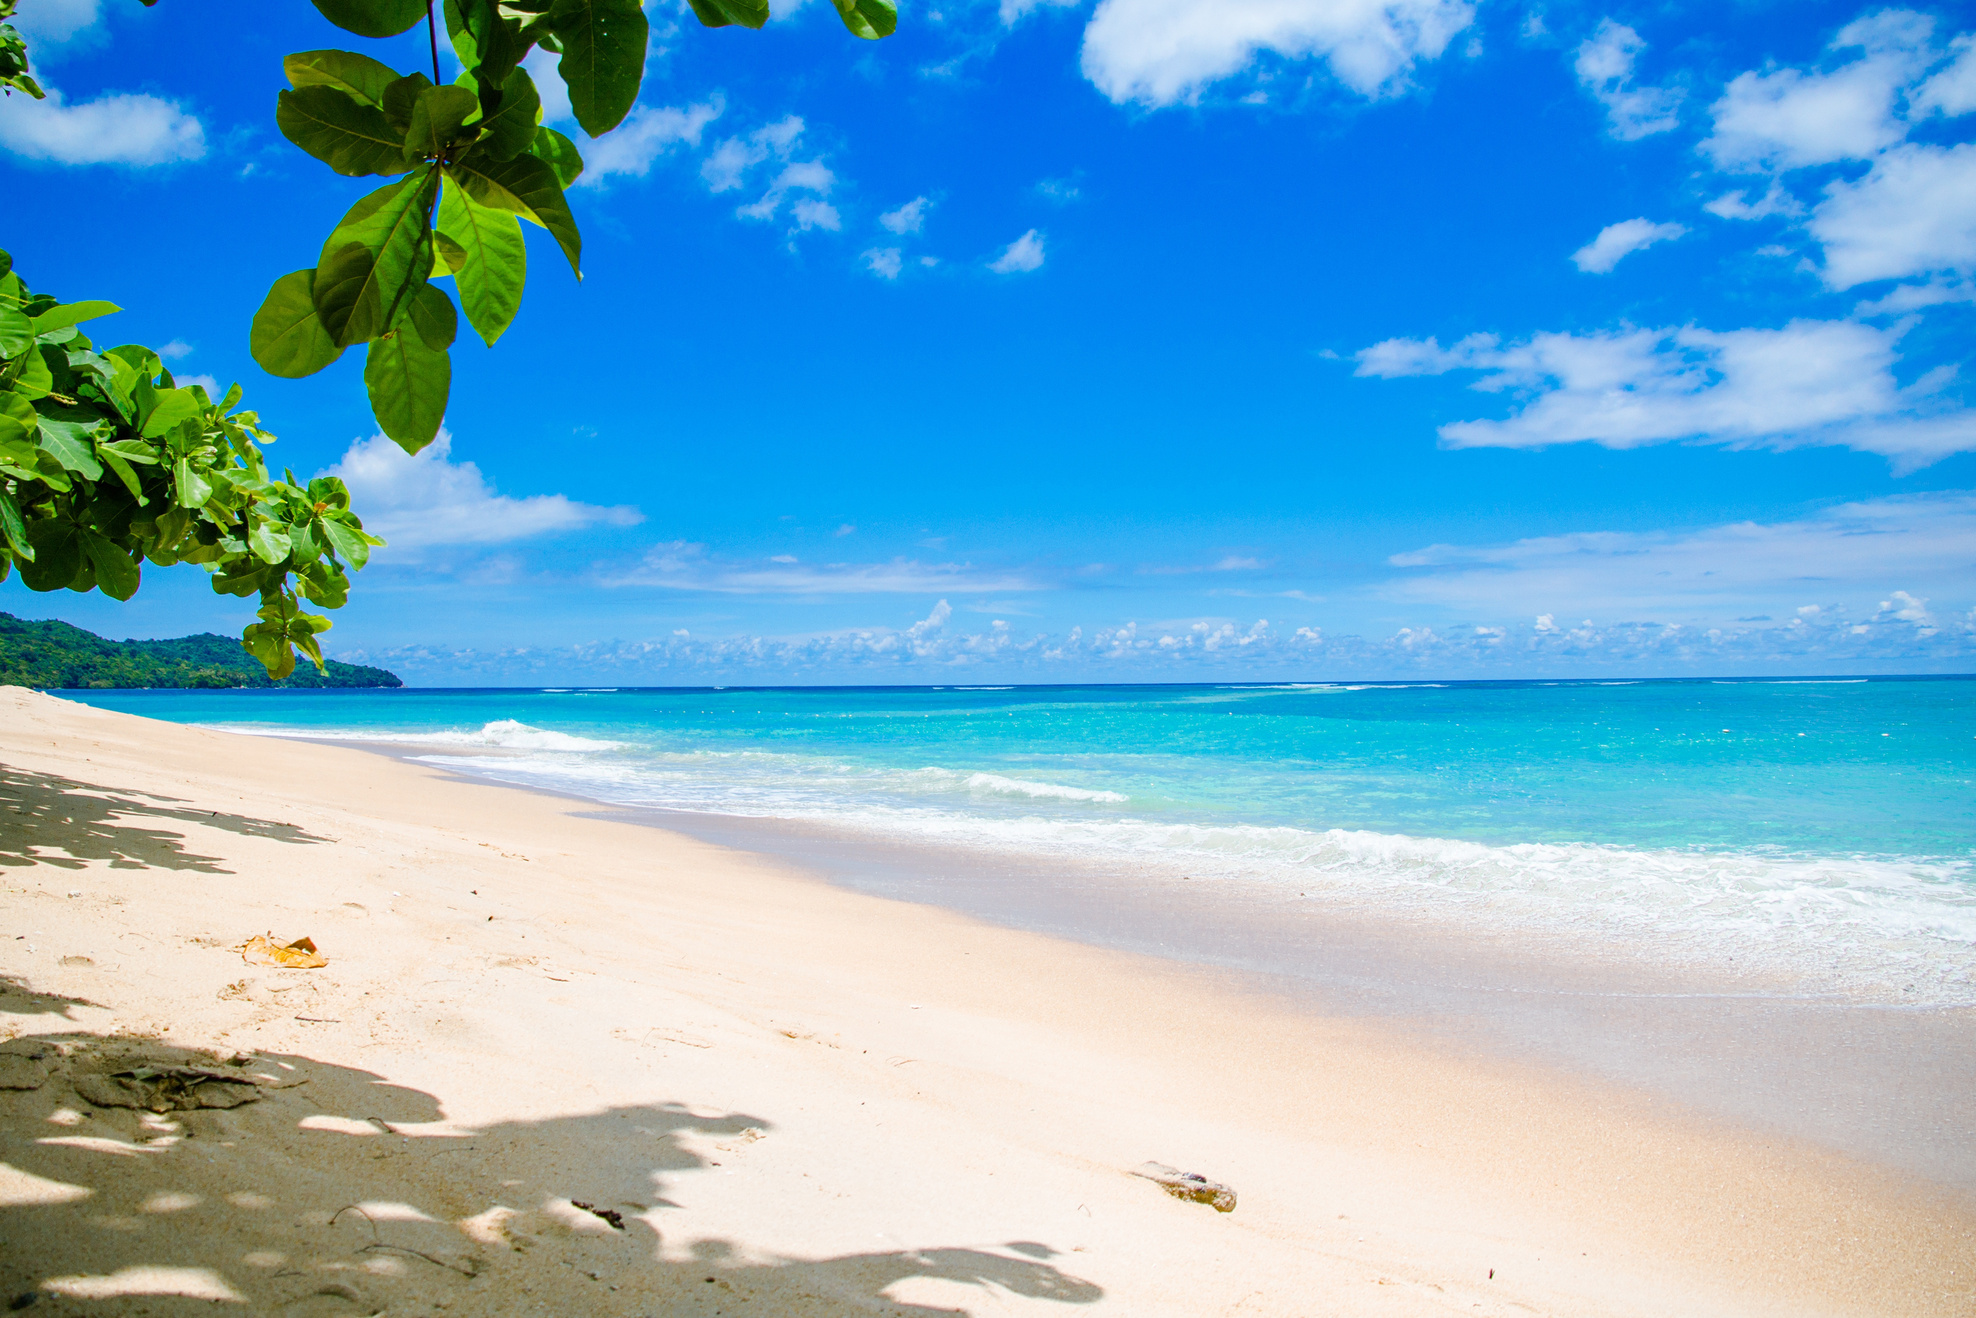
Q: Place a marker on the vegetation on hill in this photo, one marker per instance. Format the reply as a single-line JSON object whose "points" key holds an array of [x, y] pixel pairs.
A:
{"points": [[58, 655]]}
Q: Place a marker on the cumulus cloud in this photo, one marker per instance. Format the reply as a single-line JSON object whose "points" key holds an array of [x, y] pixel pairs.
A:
{"points": [[429, 500], [1952, 91], [1618, 241], [680, 565], [908, 218], [1811, 382], [729, 163], [1914, 213], [646, 134], [1790, 118], [1605, 69], [885, 262], [1021, 256], [1159, 52], [1732, 206], [51, 22], [121, 128]]}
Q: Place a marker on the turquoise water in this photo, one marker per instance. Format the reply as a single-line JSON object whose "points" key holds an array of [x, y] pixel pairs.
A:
{"points": [[1824, 826]]}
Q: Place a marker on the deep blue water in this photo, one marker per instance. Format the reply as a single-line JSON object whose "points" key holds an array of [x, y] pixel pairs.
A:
{"points": [[1832, 822]]}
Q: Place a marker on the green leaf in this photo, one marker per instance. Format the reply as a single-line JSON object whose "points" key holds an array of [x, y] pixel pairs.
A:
{"points": [[16, 331], [447, 255], [349, 136], [528, 187], [116, 574], [269, 543], [431, 314], [719, 13], [35, 379], [173, 406], [70, 443], [376, 258], [12, 529], [288, 338], [603, 58], [359, 75], [72, 313], [57, 554], [348, 541], [437, 117], [190, 489], [508, 132], [870, 19], [560, 154], [372, 18], [408, 384], [115, 462], [489, 45], [400, 98], [496, 265]]}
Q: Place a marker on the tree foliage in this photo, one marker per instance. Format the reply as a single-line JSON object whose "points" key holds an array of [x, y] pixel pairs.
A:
{"points": [[469, 161], [107, 463]]}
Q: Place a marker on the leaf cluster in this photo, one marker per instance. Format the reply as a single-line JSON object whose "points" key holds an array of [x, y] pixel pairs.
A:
{"points": [[13, 58], [106, 463], [470, 160]]}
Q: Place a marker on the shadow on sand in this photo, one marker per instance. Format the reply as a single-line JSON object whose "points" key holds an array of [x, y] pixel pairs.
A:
{"points": [[329, 1194], [40, 814]]}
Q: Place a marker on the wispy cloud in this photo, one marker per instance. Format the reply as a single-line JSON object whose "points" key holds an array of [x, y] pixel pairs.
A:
{"points": [[1021, 256], [647, 133], [1618, 241], [681, 565], [1604, 65], [1811, 382]]}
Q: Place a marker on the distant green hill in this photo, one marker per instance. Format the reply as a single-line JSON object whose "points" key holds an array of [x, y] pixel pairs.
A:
{"points": [[55, 654]]}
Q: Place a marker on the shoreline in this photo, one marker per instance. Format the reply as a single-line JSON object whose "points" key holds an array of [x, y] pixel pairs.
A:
{"points": [[967, 1097], [1889, 1082]]}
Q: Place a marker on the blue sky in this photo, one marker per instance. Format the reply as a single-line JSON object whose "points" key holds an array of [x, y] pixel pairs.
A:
{"points": [[1143, 340]]}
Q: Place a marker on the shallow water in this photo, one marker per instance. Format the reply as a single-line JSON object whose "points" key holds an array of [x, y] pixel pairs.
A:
{"points": [[1821, 831]]}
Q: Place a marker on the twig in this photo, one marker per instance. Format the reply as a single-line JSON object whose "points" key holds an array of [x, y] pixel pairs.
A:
{"points": [[469, 1268], [355, 1208], [320, 1020]]}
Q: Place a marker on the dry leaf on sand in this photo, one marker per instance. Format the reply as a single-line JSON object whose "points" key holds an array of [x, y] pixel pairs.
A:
{"points": [[261, 950]]}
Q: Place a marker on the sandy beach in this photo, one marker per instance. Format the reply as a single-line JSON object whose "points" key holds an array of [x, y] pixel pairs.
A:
{"points": [[564, 1064]]}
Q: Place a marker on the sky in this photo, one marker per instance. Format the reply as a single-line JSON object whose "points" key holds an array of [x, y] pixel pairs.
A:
{"points": [[1143, 340]]}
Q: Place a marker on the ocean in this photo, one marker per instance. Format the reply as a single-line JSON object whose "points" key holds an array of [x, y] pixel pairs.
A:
{"points": [[1820, 832]]}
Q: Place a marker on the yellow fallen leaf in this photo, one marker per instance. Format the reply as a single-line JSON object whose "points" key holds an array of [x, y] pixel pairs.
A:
{"points": [[260, 950]]}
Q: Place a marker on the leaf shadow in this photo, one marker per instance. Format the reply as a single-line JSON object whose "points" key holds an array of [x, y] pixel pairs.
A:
{"points": [[338, 1192], [42, 815]]}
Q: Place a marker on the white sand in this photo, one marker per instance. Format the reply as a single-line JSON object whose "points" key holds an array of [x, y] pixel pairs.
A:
{"points": [[800, 1100]]}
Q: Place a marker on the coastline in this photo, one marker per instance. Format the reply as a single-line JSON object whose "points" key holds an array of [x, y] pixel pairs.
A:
{"points": [[948, 1106]]}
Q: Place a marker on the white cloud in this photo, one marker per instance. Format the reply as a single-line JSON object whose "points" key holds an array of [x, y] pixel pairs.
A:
{"points": [[1605, 69], [1813, 568], [1952, 91], [1913, 297], [908, 218], [121, 128], [1158, 52], [682, 566], [1788, 118], [1811, 382], [803, 175], [51, 22], [176, 349], [1021, 256], [1013, 11], [727, 165], [1618, 241], [542, 67], [1731, 206], [885, 262], [1062, 191], [1914, 213], [646, 134], [428, 500]]}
